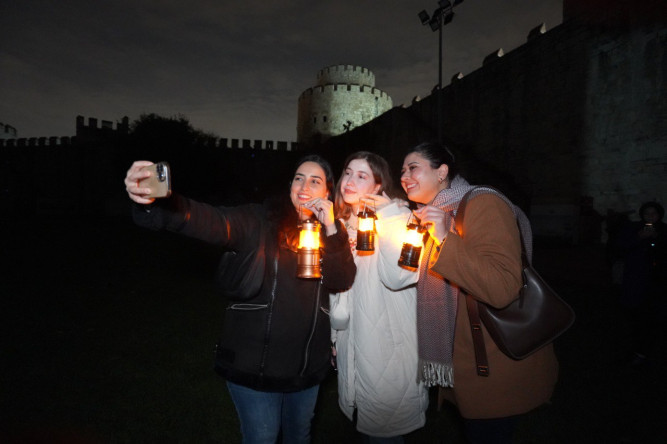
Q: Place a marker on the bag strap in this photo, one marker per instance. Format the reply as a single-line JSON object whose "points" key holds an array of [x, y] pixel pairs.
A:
{"points": [[481, 361], [521, 219]]}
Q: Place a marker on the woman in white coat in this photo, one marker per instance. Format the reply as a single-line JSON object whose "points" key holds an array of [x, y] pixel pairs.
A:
{"points": [[374, 323]]}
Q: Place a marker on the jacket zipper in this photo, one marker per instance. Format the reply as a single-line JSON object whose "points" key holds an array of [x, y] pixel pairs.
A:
{"points": [[312, 329], [267, 331]]}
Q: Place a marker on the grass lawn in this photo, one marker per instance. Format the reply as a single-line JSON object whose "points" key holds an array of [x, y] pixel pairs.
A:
{"points": [[108, 333]]}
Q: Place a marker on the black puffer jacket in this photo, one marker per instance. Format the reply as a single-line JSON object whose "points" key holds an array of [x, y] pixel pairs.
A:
{"points": [[277, 340]]}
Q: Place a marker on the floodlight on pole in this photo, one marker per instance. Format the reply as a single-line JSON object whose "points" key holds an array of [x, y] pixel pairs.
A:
{"points": [[443, 15]]}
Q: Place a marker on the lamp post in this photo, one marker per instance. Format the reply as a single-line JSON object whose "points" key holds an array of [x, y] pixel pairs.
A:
{"points": [[440, 17]]}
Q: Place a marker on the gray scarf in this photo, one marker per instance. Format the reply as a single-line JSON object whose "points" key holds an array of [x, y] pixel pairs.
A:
{"points": [[437, 298]]}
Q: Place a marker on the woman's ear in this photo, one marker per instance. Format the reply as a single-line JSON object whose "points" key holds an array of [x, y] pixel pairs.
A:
{"points": [[443, 170], [377, 188]]}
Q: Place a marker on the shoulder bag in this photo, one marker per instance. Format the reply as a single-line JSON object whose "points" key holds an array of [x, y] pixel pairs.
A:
{"points": [[533, 320]]}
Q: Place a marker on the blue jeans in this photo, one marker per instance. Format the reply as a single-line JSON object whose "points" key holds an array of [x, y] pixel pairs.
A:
{"points": [[263, 414], [490, 431]]}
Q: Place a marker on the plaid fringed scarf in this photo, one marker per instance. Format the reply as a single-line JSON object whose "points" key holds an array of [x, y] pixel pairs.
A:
{"points": [[437, 302], [437, 298]]}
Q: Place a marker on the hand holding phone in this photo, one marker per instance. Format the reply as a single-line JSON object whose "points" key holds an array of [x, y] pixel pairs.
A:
{"points": [[159, 181]]}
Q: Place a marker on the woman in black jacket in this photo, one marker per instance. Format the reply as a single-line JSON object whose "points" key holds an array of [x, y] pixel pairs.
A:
{"points": [[274, 350]]}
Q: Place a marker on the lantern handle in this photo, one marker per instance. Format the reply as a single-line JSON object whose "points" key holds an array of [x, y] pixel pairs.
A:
{"points": [[420, 227], [365, 201]]}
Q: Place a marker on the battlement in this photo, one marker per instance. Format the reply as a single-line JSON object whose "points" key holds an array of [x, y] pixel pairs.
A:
{"points": [[247, 144], [122, 127], [534, 33], [345, 74], [337, 88], [7, 131], [37, 142], [221, 143]]}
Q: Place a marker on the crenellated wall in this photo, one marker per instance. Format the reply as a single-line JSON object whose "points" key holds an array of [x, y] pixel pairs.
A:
{"points": [[572, 124], [36, 174], [345, 74], [222, 143], [96, 129], [38, 141], [7, 131]]}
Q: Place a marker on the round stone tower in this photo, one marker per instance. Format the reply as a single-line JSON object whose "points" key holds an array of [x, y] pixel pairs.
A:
{"points": [[345, 97]]}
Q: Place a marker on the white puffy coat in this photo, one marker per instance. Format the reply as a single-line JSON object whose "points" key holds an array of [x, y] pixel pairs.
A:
{"points": [[375, 330]]}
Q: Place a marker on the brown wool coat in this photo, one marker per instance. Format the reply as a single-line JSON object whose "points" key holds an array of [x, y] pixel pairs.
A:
{"points": [[487, 263]]}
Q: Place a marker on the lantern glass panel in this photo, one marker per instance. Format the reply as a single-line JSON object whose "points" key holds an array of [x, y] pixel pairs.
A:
{"points": [[414, 237], [309, 237], [366, 224]]}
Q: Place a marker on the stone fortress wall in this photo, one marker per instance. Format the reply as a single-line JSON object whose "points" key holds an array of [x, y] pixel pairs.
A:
{"points": [[96, 128], [572, 124]]}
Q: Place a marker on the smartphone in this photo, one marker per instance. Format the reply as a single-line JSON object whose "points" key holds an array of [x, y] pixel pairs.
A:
{"points": [[159, 181]]}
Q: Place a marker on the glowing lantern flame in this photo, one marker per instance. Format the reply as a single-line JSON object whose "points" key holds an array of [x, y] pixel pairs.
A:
{"points": [[366, 224], [413, 236], [309, 238], [366, 229], [308, 254], [412, 246]]}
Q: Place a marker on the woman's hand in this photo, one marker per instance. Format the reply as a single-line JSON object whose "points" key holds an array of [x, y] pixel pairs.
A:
{"points": [[376, 201], [435, 220], [323, 211], [133, 180]]}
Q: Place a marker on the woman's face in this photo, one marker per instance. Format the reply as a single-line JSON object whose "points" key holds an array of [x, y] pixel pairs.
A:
{"points": [[357, 181], [309, 182], [420, 181]]}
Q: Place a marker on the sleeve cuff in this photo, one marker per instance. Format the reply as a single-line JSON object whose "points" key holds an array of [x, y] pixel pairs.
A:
{"points": [[338, 239]]}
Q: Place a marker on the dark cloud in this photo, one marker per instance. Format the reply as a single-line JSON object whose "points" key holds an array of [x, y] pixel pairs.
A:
{"points": [[232, 68]]}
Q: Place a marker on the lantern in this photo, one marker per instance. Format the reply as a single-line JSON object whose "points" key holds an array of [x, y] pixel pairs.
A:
{"points": [[366, 229], [308, 253], [412, 246]]}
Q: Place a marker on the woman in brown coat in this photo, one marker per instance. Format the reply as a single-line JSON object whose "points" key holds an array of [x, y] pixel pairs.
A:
{"points": [[485, 263]]}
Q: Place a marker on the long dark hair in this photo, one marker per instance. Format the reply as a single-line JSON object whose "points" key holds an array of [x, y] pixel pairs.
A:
{"points": [[437, 154], [381, 174], [325, 165], [281, 210]]}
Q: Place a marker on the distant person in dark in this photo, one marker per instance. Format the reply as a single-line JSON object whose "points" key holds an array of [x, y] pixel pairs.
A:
{"points": [[486, 262], [275, 347], [643, 248]]}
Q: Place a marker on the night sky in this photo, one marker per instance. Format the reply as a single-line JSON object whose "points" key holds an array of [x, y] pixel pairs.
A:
{"points": [[232, 68]]}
